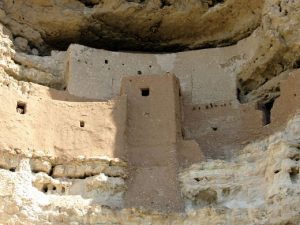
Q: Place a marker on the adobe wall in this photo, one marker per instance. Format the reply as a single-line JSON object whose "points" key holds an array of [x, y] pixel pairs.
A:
{"points": [[288, 104], [152, 119], [205, 76], [53, 127], [153, 128], [219, 129], [223, 129]]}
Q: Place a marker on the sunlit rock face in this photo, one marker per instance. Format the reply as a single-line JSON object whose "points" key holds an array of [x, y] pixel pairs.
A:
{"points": [[149, 112]]}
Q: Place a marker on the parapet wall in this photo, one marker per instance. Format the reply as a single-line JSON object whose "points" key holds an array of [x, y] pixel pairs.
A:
{"points": [[60, 128], [205, 75]]}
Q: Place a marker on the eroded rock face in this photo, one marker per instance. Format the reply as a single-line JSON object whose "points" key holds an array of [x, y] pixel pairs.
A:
{"points": [[278, 50], [43, 70], [153, 25], [265, 176], [39, 26], [258, 185]]}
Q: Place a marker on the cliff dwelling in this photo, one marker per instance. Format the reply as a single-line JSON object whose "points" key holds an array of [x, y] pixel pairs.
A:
{"points": [[150, 112]]}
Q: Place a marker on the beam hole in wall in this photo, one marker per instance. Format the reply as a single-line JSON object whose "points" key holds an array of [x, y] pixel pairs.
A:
{"points": [[106, 61], [214, 128], [145, 92], [139, 72], [21, 107], [12, 169], [82, 123]]}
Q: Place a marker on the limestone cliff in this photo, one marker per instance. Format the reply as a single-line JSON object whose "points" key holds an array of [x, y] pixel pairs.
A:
{"points": [[86, 138]]}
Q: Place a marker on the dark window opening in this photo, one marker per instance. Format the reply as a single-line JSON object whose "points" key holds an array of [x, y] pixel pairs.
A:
{"points": [[296, 64], [139, 72], [214, 128], [238, 94], [12, 169], [106, 61], [21, 107], [82, 123], [266, 109], [182, 133], [145, 91]]}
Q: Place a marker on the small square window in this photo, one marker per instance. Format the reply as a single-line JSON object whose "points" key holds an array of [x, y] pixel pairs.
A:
{"points": [[21, 107], [145, 91], [82, 123]]}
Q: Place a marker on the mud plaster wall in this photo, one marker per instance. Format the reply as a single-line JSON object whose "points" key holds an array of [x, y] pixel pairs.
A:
{"points": [[288, 103], [60, 128], [153, 119], [153, 128], [222, 129], [205, 75]]}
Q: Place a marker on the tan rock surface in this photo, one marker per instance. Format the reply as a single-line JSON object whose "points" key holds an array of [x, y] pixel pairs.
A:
{"points": [[148, 25], [260, 186], [67, 158]]}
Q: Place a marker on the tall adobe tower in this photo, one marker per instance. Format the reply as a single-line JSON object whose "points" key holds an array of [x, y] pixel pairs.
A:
{"points": [[153, 130]]}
